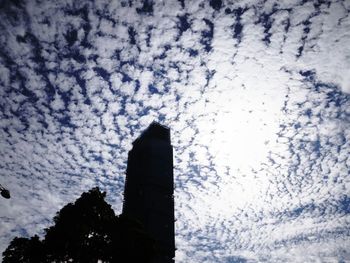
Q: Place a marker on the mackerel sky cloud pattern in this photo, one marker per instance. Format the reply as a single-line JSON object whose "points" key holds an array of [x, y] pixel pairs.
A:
{"points": [[256, 93]]}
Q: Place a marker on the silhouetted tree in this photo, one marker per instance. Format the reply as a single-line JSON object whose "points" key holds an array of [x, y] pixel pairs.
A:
{"points": [[24, 250], [86, 231]]}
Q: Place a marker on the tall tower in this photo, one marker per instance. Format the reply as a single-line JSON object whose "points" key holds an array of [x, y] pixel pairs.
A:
{"points": [[149, 188]]}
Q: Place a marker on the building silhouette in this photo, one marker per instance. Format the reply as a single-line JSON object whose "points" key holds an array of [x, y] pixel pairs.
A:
{"points": [[149, 188]]}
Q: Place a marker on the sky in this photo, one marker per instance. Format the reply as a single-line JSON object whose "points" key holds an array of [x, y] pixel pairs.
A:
{"points": [[256, 94]]}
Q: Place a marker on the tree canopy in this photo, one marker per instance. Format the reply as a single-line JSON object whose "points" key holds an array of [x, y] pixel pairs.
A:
{"points": [[85, 231]]}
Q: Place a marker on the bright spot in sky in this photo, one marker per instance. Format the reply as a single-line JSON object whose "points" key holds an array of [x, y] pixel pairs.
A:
{"points": [[244, 132]]}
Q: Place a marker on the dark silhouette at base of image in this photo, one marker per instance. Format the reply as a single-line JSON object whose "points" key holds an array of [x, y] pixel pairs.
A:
{"points": [[89, 231], [149, 188], [86, 231]]}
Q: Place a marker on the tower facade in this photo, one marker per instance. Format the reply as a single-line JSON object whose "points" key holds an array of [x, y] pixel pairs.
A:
{"points": [[149, 188]]}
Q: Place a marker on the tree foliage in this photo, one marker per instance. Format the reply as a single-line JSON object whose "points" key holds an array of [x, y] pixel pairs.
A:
{"points": [[85, 231]]}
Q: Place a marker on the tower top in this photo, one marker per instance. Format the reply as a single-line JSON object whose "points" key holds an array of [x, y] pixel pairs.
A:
{"points": [[155, 131]]}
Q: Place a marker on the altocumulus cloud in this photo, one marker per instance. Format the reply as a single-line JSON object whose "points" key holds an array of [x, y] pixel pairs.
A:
{"points": [[256, 95]]}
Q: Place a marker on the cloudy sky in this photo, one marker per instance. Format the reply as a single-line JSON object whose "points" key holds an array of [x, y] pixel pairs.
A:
{"points": [[256, 93]]}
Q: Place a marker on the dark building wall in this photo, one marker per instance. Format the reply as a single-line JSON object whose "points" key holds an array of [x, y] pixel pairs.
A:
{"points": [[149, 188]]}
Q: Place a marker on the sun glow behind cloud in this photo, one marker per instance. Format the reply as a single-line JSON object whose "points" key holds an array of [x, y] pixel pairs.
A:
{"points": [[239, 125]]}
